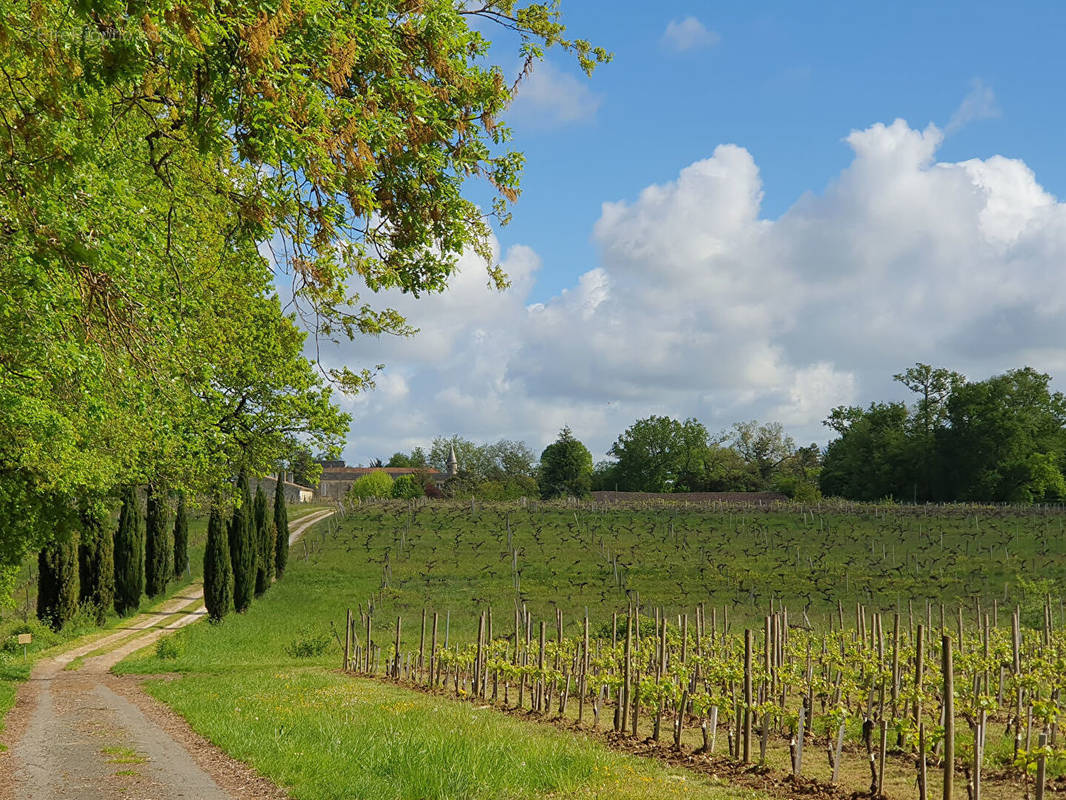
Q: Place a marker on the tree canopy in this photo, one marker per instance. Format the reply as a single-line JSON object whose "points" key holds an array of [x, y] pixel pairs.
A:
{"points": [[1002, 439], [185, 190], [565, 467]]}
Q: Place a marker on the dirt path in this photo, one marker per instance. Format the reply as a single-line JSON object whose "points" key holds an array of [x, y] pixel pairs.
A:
{"points": [[79, 732]]}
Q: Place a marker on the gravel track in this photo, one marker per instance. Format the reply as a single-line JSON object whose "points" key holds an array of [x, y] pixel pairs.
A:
{"points": [[78, 732]]}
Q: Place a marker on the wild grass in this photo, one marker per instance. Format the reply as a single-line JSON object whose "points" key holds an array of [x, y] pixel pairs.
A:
{"points": [[324, 735]]}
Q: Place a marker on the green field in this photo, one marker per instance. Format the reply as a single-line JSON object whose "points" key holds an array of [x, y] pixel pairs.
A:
{"points": [[456, 561], [274, 668]]}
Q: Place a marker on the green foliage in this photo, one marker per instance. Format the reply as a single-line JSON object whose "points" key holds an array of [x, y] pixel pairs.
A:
{"points": [[1002, 439], [308, 644], [305, 470], [264, 550], [507, 489], [169, 648], [373, 484], [242, 547], [181, 538], [483, 462], [57, 581], [407, 487], [129, 554], [96, 565], [218, 589], [281, 532], [873, 458], [565, 467], [660, 454], [797, 488], [159, 546]]}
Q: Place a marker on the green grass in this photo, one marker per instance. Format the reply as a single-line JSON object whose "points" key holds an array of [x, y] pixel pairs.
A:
{"points": [[329, 736]]}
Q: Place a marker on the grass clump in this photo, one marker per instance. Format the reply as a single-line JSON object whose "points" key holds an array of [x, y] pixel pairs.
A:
{"points": [[308, 644]]}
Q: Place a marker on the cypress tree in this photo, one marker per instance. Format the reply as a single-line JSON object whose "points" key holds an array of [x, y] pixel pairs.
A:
{"points": [[242, 541], [181, 539], [159, 549], [264, 560], [218, 594], [96, 565], [57, 581], [129, 554], [281, 527]]}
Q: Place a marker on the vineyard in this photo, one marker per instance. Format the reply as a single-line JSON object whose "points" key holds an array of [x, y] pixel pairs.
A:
{"points": [[908, 652]]}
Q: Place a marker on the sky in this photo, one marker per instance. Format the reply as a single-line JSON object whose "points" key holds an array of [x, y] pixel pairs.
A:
{"points": [[756, 211]]}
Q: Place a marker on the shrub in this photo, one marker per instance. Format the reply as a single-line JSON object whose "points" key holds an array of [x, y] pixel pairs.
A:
{"points": [[510, 488], [169, 647], [308, 644], [373, 484], [407, 488]]}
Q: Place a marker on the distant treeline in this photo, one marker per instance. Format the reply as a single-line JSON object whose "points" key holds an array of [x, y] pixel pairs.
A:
{"points": [[1002, 440], [998, 440]]}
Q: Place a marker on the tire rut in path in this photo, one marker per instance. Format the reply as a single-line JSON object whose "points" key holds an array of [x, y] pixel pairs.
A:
{"points": [[84, 734]]}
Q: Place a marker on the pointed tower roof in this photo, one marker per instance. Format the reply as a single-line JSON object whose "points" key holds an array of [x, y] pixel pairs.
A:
{"points": [[453, 463]]}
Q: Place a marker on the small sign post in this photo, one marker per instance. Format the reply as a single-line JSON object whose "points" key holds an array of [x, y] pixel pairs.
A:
{"points": [[25, 639]]}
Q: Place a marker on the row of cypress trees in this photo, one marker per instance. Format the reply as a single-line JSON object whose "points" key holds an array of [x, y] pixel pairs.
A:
{"points": [[88, 566], [244, 555]]}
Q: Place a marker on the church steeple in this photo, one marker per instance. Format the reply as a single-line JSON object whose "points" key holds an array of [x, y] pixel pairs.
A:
{"points": [[453, 464]]}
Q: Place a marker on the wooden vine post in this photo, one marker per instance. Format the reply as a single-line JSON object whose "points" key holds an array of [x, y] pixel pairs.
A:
{"points": [[949, 716], [746, 757], [347, 641]]}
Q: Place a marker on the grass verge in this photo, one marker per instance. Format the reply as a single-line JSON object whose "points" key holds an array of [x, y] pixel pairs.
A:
{"points": [[324, 735]]}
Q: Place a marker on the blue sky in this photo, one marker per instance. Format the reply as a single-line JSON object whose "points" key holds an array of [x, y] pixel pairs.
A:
{"points": [[754, 212], [788, 81]]}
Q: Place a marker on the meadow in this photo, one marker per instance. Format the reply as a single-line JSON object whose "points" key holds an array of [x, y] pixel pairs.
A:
{"points": [[557, 562]]}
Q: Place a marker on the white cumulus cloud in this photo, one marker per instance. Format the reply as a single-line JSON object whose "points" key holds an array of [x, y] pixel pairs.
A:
{"points": [[700, 306], [979, 103], [689, 33], [551, 98]]}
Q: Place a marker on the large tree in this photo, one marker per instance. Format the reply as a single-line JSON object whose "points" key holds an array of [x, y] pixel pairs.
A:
{"points": [[281, 529], [150, 150], [660, 454], [158, 543], [264, 549], [181, 538], [129, 554], [96, 563], [1004, 439], [218, 575], [242, 547], [933, 386], [57, 580], [873, 458], [565, 467]]}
